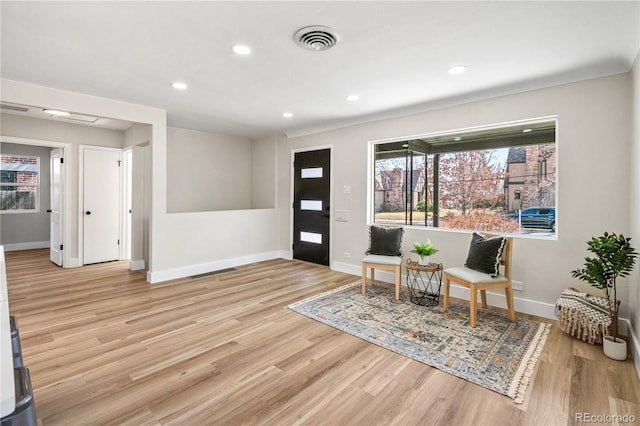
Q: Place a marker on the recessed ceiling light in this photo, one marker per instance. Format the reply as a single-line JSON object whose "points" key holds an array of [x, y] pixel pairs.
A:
{"points": [[57, 112], [287, 114], [241, 49], [457, 69], [353, 97], [457, 138], [179, 85], [527, 130]]}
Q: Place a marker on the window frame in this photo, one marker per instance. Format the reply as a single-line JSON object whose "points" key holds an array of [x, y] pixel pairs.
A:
{"points": [[407, 140], [16, 184]]}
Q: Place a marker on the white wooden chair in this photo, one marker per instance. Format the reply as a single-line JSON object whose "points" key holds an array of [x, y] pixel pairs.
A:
{"points": [[480, 281]]}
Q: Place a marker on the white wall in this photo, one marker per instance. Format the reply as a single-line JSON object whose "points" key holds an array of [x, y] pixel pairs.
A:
{"points": [[634, 197], [593, 171], [263, 171], [207, 172], [73, 134], [17, 230], [138, 138]]}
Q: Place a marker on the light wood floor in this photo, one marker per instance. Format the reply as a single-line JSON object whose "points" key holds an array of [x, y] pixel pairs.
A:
{"points": [[105, 347]]}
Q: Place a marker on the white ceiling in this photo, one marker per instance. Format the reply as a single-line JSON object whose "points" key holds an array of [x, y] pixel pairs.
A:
{"points": [[393, 54]]}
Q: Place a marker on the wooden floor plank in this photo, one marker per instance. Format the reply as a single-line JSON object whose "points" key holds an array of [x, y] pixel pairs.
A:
{"points": [[104, 347]]}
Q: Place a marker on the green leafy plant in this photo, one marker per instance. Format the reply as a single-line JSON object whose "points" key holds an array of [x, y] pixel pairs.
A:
{"points": [[424, 249], [422, 206], [614, 257]]}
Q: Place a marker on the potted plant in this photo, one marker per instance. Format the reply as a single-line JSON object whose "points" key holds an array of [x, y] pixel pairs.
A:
{"points": [[424, 250], [613, 257]]}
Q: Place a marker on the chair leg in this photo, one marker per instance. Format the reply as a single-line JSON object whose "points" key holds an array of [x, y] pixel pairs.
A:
{"points": [[509, 294], [364, 279], [473, 302], [445, 302], [373, 275], [483, 295], [398, 279]]}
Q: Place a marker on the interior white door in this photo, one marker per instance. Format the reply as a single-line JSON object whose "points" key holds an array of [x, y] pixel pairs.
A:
{"points": [[55, 210], [101, 199]]}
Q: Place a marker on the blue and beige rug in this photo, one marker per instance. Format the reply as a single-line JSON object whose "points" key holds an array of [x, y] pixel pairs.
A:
{"points": [[498, 354]]}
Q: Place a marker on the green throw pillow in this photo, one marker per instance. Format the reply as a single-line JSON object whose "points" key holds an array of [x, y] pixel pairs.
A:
{"points": [[385, 241]]}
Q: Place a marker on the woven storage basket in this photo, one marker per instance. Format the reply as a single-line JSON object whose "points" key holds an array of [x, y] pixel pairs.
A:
{"points": [[582, 315]]}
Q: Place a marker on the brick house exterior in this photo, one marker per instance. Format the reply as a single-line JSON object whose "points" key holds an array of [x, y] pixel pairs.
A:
{"points": [[531, 177], [16, 170], [391, 188]]}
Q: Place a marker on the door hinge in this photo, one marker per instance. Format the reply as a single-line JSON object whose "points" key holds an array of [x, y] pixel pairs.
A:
{"points": [[61, 160], [61, 246], [118, 242], [119, 162]]}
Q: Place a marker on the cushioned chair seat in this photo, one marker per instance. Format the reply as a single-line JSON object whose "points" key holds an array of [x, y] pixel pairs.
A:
{"points": [[383, 260], [473, 276]]}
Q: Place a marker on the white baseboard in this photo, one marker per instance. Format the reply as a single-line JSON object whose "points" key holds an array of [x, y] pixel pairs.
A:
{"points": [[136, 265], [27, 246], [203, 268], [286, 254], [633, 342], [74, 262], [525, 306], [348, 268]]}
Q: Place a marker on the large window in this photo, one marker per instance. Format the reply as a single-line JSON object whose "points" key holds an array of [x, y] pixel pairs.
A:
{"points": [[496, 179], [19, 183]]}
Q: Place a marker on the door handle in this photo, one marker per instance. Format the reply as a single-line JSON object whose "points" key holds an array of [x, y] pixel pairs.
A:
{"points": [[88, 212], [49, 211]]}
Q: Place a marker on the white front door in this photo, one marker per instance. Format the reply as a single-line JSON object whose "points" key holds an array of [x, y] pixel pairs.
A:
{"points": [[101, 209], [55, 217]]}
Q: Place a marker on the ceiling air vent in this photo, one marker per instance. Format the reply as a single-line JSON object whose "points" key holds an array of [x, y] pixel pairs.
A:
{"points": [[316, 38], [10, 107]]}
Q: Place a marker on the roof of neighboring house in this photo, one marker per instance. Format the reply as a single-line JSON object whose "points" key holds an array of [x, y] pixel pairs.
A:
{"points": [[517, 154], [415, 181], [385, 180]]}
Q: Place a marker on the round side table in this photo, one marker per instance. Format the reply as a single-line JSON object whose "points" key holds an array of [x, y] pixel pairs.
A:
{"points": [[424, 282]]}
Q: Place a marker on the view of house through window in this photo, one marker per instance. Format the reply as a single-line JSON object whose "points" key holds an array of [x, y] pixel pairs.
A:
{"points": [[19, 182], [500, 179]]}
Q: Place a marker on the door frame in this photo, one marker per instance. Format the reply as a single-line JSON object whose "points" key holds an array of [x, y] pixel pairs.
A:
{"points": [[126, 194], [61, 213], [292, 176], [65, 236], [81, 150]]}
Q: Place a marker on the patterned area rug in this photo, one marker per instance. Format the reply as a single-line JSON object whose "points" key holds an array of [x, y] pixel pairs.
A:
{"points": [[498, 354]]}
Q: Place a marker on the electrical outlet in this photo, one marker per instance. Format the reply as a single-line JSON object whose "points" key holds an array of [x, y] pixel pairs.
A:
{"points": [[517, 285], [346, 255]]}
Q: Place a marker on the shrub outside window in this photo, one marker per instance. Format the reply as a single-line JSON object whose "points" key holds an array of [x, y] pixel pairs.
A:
{"points": [[492, 179], [19, 183]]}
